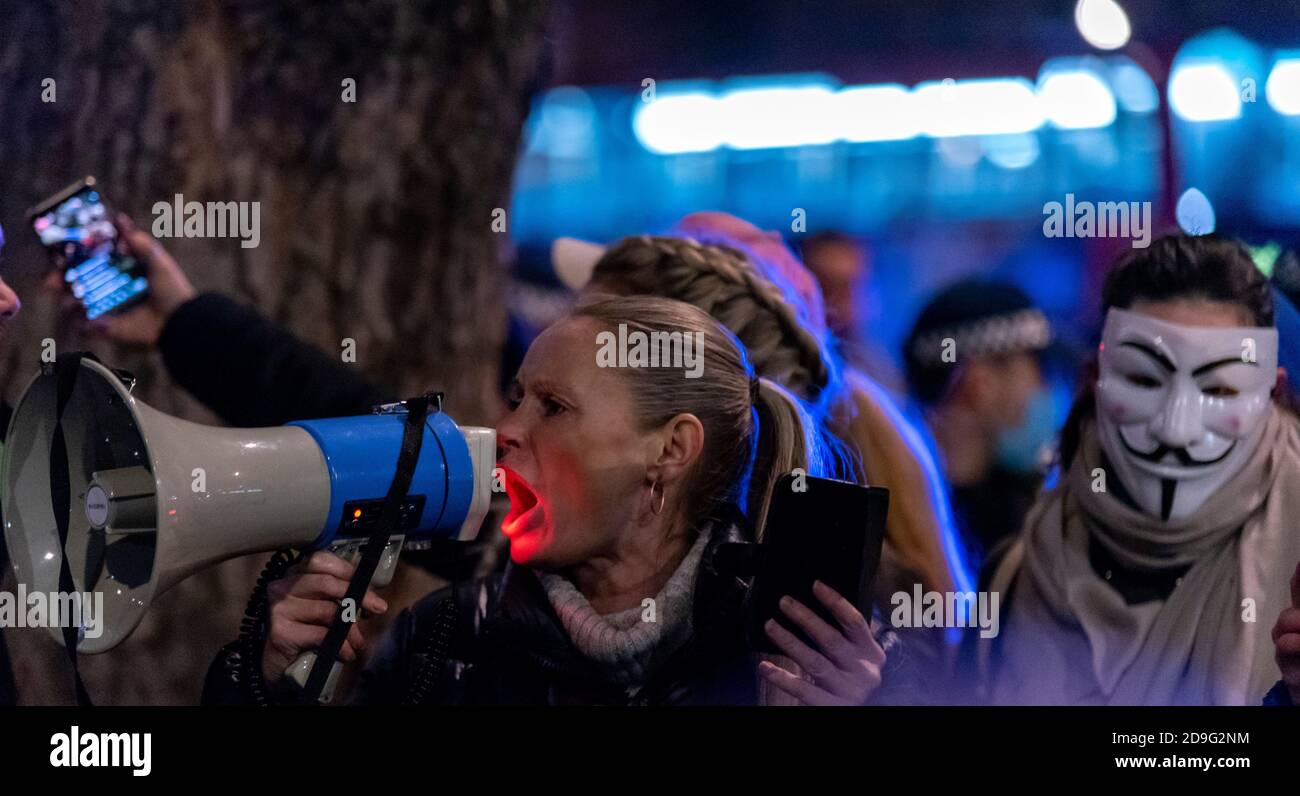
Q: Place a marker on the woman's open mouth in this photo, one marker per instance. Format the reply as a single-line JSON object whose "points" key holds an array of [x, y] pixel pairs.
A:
{"points": [[526, 511]]}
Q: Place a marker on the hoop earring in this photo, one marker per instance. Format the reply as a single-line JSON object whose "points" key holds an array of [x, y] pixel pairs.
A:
{"points": [[662, 496]]}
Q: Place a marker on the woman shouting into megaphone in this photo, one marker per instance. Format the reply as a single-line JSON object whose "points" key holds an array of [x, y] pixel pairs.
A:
{"points": [[624, 483]]}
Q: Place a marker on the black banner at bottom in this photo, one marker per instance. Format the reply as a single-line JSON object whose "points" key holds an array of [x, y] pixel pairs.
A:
{"points": [[206, 746]]}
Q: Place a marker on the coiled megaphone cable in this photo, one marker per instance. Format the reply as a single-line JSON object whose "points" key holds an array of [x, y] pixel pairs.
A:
{"points": [[252, 628]]}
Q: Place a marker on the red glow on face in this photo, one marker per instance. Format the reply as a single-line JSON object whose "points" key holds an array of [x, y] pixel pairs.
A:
{"points": [[526, 510]]}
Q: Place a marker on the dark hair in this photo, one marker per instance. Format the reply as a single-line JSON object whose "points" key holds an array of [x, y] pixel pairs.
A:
{"points": [[965, 307], [1174, 267], [1187, 266]]}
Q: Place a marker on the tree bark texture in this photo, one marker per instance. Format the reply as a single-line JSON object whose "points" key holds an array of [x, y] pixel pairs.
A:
{"points": [[376, 215]]}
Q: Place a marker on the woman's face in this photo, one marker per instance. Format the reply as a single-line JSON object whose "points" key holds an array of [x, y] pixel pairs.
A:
{"points": [[576, 465]]}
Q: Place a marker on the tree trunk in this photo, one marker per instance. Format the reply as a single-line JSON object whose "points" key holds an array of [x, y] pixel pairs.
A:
{"points": [[376, 214]]}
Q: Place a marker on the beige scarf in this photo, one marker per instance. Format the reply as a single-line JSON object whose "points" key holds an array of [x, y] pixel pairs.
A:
{"points": [[1071, 638]]}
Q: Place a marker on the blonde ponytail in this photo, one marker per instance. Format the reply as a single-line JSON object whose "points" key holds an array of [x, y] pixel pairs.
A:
{"points": [[869, 440], [787, 440]]}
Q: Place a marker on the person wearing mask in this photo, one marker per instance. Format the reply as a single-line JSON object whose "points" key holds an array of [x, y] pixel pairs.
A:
{"points": [[972, 361], [1161, 569], [624, 484]]}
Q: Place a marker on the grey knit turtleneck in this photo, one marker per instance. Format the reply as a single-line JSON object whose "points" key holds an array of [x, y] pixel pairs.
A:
{"points": [[624, 643]]}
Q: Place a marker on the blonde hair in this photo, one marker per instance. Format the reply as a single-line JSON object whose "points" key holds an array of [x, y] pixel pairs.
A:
{"points": [[753, 429], [856, 421], [725, 283]]}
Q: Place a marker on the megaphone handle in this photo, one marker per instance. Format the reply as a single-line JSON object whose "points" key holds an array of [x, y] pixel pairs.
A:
{"points": [[350, 551], [300, 670]]}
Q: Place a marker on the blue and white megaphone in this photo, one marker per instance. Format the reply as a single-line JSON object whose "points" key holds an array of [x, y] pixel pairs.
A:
{"points": [[150, 499]]}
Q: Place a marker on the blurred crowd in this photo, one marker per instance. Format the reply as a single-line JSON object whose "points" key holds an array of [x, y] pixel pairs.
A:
{"points": [[1140, 554]]}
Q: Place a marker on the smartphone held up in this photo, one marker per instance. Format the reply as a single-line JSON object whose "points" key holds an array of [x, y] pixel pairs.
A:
{"points": [[76, 228]]}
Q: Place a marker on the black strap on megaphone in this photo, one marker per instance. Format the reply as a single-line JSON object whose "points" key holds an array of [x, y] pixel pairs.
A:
{"points": [[417, 410], [65, 370]]}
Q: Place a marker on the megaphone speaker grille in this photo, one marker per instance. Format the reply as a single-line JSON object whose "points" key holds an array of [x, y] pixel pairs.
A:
{"points": [[47, 473]]}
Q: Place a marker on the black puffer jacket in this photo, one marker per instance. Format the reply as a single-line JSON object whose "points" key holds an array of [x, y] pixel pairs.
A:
{"points": [[508, 647]]}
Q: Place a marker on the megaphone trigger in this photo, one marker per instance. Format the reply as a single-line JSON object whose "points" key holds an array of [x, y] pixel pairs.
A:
{"points": [[324, 669], [299, 672]]}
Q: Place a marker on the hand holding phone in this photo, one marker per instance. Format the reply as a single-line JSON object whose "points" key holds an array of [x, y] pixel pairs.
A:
{"points": [[169, 288], [137, 319], [819, 554], [842, 657], [77, 230]]}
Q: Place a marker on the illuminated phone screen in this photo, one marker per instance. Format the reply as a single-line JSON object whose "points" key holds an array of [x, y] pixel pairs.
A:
{"points": [[80, 235]]}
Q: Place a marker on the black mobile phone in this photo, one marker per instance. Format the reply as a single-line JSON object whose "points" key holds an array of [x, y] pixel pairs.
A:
{"points": [[77, 229], [816, 529]]}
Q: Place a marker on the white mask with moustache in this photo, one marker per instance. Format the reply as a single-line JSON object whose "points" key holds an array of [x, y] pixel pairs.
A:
{"points": [[1181, 408]]}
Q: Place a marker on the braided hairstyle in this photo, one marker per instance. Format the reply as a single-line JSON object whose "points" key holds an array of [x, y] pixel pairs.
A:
{"points": [[855, 422], [725, 283]]}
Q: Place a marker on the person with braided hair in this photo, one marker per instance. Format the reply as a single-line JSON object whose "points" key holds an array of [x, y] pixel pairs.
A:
{"points": [[751, 282]]}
